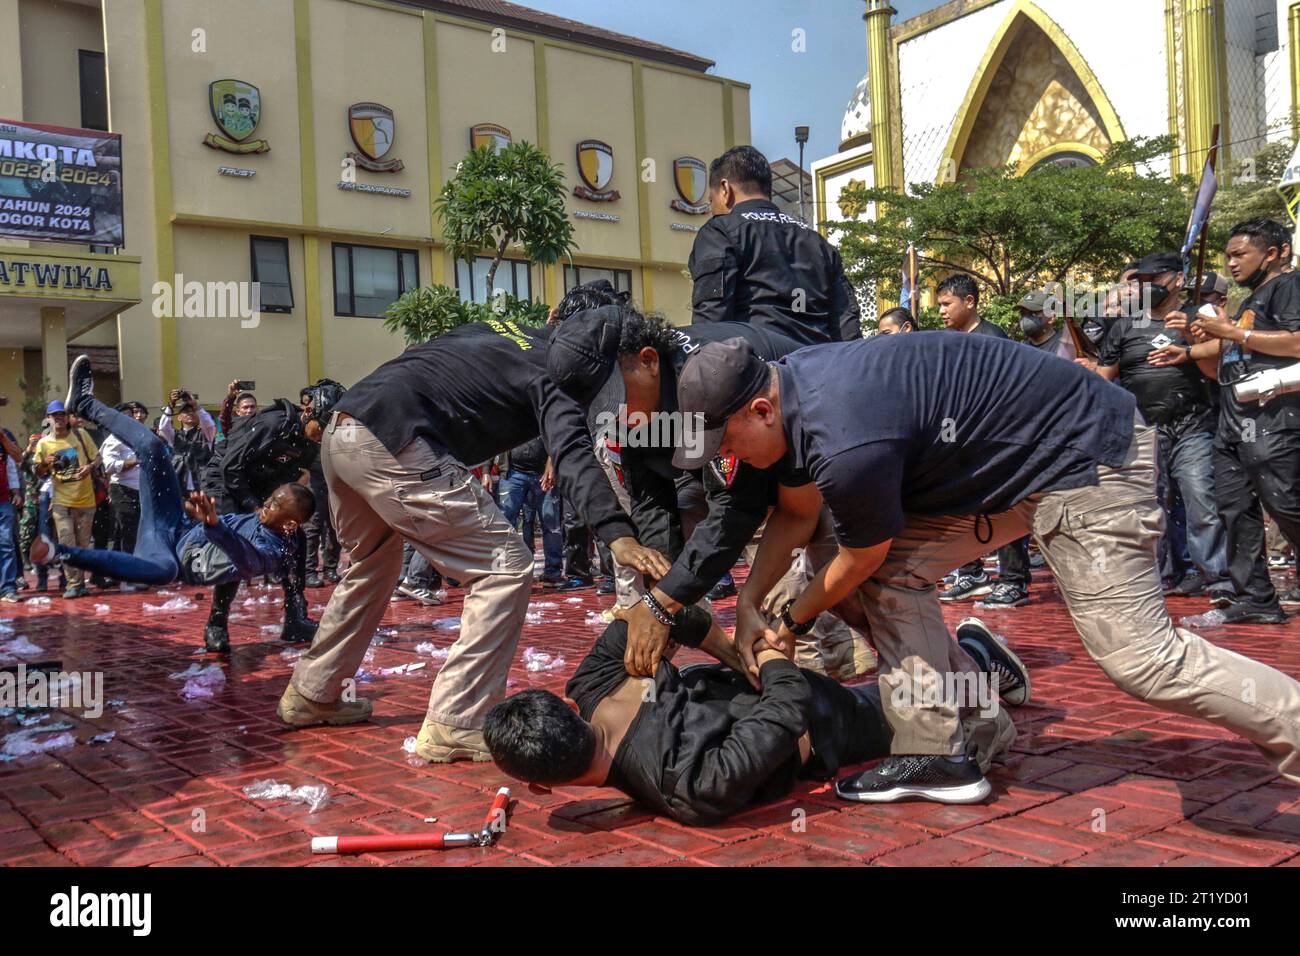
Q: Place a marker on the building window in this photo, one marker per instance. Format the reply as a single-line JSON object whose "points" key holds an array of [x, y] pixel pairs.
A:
{"points": [[575, 276], [94, 90], [512, 276], [368, 279], [270, 257]]}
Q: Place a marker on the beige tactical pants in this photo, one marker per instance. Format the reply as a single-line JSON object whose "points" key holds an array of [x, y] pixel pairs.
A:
{"points": [[1100, 543], [378, 502]]}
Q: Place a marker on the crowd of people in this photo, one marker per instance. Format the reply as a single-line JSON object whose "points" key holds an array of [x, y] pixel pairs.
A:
{"points": [[854, 470]]}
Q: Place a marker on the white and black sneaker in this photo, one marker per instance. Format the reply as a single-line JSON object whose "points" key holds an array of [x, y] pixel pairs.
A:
{"points": [[968, 586], [81, 384], [994, 657], [917, 777]]}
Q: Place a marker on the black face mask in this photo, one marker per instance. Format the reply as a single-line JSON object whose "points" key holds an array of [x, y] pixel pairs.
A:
{"points": [[1253, 280], [1032, 324], [1157, 294]]}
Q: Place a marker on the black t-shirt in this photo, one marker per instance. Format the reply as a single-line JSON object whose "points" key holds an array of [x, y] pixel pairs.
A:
{"points": [[1165, 394], [481, 390], [1051, 345], [988, 328], [1276, 306], [530, 456], [943, 425]]}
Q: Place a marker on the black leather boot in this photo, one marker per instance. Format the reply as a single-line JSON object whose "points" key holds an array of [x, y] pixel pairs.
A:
{"points": [[298, 627], [215, 636]]}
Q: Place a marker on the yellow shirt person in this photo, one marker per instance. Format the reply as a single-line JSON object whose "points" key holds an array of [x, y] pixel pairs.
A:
{"points": [[67, 458]]}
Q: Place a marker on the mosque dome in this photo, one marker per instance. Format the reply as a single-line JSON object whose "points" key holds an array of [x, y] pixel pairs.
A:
{"points": [[855, 129]]}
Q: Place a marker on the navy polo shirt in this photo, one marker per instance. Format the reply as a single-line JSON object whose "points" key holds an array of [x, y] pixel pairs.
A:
{"points": [[942, 425]]}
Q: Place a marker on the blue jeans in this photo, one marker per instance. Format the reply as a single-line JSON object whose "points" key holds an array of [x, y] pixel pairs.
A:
{"points": [[162, 515], [521, 493], [8, 550], [1189, 462]]}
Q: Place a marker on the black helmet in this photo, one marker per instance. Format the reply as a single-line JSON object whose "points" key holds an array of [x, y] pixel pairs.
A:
{"points": [[324, 395]]}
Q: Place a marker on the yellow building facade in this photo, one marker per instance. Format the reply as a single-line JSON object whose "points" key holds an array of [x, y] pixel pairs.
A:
{"points": [[354, 114]]}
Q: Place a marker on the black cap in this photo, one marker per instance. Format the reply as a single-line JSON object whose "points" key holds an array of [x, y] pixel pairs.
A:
{"points": [[715, 384], [1159, 262], [584, 351], [1211, 282]]}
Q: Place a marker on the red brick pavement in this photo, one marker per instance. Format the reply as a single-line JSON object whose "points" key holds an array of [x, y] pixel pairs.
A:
{"points": [[1097, 779]]}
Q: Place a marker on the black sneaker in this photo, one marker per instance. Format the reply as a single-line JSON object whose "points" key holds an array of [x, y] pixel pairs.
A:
{"points": [[1222, 595], [1007, 595], [574, 584], [606, 586], [917, 777], [1253, 614], [968, 586], [313, 580], [995, 658], [723, 589], [1192, 585], [1290, 598], [216, 639], [81, 384]]}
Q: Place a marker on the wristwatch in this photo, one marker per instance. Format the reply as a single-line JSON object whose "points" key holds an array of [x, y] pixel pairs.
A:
{"points": [[1245, 337], [797, 629]]}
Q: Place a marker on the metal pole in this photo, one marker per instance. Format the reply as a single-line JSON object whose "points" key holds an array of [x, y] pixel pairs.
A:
{"points": [[802, 213]]}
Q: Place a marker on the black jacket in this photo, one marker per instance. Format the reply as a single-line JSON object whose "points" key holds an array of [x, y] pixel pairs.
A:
{"points": [[267, 451], [738, 495], [756, 264], [703, 746], [479, 391]]}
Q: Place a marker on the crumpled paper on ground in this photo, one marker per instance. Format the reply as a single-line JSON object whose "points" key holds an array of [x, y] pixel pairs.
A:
{"points": [[433, 650], [22, 743], [181, 603], [201, 683], [535, 660], [314, 795]]}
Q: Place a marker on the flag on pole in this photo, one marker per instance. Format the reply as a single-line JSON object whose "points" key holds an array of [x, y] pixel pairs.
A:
{"points": [[1201, 208], [908, 298]]}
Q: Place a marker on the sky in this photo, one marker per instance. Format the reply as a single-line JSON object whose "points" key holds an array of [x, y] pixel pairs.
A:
{"points": [[751, 40]]}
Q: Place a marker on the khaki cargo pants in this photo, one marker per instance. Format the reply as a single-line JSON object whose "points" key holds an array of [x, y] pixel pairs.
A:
{"points": [[1100, 543], [378, 502]]}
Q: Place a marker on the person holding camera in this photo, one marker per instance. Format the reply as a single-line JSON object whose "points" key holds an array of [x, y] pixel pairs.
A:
{"points": [[191, 444]]}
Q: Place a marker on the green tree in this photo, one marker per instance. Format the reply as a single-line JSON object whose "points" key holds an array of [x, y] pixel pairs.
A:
{"points": [[1014, 232], [511, 198], [1252, 193], [426, 313]]}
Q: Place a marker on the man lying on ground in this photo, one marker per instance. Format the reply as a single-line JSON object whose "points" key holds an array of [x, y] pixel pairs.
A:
{"points": [[701, 743], [201, 548]]}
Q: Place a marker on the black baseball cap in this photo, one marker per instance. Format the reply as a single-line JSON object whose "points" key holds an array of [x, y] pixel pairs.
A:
{"points": [[584, 351], [715, 384], [1159, 262]]}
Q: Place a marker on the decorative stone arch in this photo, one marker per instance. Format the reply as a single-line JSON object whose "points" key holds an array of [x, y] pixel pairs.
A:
{"points": [[1026, 15]]}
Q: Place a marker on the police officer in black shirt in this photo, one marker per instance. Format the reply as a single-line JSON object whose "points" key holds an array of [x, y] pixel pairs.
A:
{"points": [[275, 446], [1176, 401], [1257, 448], [396, 456], [753, 263]]}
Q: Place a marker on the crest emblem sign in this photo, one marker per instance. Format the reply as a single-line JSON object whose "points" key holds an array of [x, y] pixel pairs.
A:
{"points": [[489, 134], [596, 167], [691, 177], [236, 109], [373, 128]]}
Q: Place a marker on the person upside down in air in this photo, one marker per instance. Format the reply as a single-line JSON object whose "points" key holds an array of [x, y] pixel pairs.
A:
{"points": [[704, 742], [179, 540]]}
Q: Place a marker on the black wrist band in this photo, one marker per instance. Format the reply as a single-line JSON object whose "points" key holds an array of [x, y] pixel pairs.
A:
{"points": [[797, 629], [658, 610]]}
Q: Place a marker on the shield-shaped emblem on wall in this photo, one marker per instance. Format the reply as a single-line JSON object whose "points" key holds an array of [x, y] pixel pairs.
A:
{"points": [[691, 177], [595, 163], [372, 127], [236, 107], [489, 134]]}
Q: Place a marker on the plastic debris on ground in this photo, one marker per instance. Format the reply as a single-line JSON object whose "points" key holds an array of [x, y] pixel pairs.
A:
{"points": [[20, 645], [400, 669], [535, 660], [36, 740], [446, 624], [433, 650], [38, 600], [412, 758], [103, 738], [291, 654], [573, 600], [102, 608], [1212, 618], [271, 628], [181, 603], [201, 683], [314, 795], [596, 619]]}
